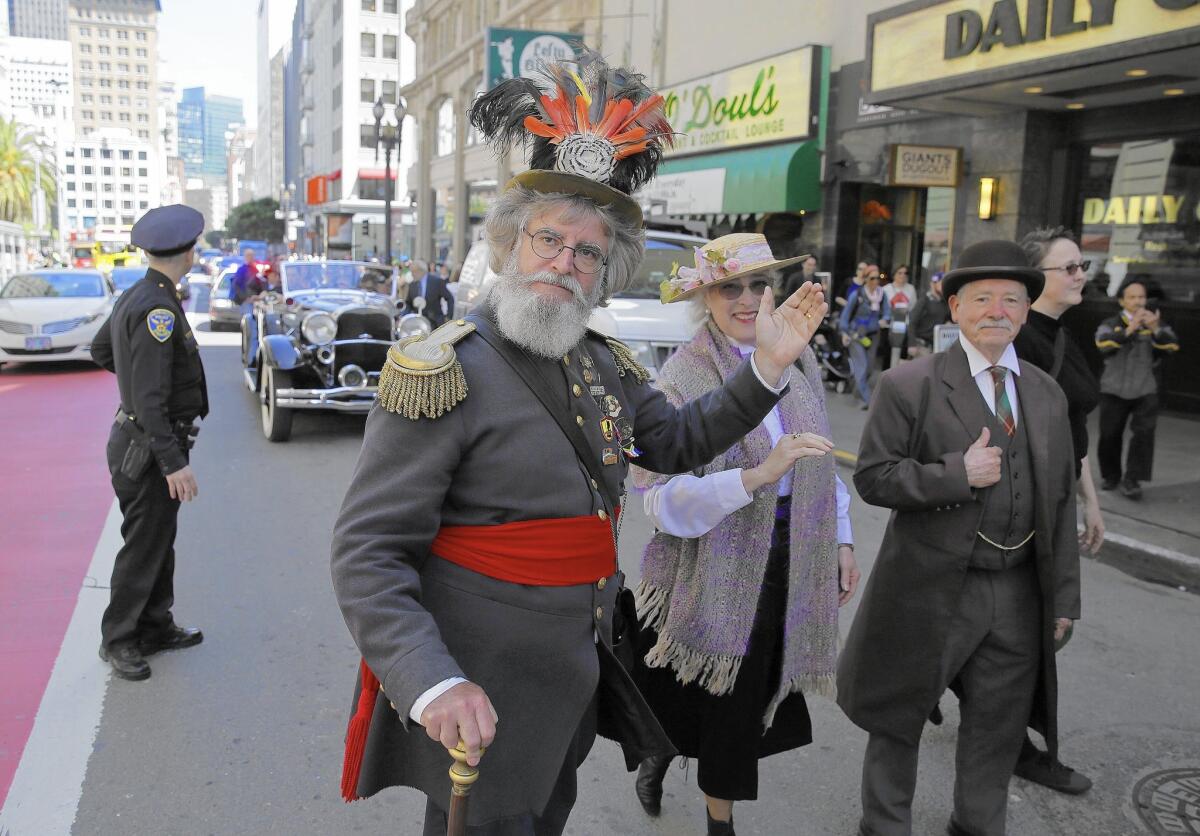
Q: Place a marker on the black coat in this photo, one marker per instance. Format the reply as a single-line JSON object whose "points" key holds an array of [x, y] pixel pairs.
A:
{"points": [[439, 301]]}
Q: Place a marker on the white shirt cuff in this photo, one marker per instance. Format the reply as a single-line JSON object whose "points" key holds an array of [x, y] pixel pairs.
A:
{"points": [[783, 381], [418, 707], [844, 529], [691, 506]]}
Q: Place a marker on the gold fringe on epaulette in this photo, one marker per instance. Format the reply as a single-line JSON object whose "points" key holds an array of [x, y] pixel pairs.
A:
{"points": [[417, 393], [626, 362]]}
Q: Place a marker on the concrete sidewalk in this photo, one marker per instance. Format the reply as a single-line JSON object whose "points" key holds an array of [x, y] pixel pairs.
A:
{"points": [[1155, 539]]}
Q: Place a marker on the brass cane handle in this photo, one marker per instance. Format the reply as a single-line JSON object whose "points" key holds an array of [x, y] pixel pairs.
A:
{"points": [[462, 774]]}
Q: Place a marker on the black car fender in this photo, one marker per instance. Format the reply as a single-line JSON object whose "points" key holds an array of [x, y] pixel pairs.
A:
{"points": [[280, 351]]}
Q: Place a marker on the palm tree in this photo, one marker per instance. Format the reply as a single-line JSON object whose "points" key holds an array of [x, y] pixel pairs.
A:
{"points": [[19, 159]]}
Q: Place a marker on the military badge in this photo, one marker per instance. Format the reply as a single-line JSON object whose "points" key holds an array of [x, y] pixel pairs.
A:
{"points": [[625, 438], [608, 429], [610, 456], [611, 406], [597, 391], [161, 323], [588, 377], [585, 360]]}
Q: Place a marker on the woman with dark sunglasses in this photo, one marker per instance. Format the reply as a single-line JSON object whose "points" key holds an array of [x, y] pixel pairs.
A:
{"points": [[751, 558]]}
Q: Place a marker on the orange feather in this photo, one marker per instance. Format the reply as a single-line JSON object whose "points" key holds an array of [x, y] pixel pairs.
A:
{"points": [[611, 124], [646, 106], [581, 115], [631, 135], [629, 150], [537, 126]]}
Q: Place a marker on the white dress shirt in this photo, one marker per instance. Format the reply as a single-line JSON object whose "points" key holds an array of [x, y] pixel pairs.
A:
{"points": [[445, 685], [980, 366], [691, 506]]}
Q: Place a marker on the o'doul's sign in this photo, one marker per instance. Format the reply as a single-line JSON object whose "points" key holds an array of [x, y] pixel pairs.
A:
{"points": [[929, 166], [769, 100], [931, 46]]}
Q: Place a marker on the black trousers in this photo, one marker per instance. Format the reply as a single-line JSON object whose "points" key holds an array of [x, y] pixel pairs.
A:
{"points": [[142, 589], [1142, 417]]}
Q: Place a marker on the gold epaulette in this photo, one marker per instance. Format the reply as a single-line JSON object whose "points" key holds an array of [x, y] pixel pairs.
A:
{"points": [[422, 375], [626, 361]]}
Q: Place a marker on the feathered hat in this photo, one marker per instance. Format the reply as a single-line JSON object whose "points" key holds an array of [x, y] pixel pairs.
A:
{"points": [[590, 129]]}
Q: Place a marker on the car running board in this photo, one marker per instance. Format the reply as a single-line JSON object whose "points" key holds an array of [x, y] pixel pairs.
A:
{"points": [[251, 376]]}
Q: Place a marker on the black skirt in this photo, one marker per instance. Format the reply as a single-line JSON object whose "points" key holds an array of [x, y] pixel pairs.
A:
{"points": [[725, 734]]}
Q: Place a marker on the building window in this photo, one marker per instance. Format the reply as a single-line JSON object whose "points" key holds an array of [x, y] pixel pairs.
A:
{"points": [[141, 52], [376, 189], [122, 50], [86, 152], [106, 171], [126, 154], [127, 205], [85, 49], [85, 65], [366, 136], [88, 203], [389, 92], [85, 32], [337, 96], [105, 67], [337, 139], [70, 185], [337, 54], [70, 200], [366, 90], [143, 188], [127, 188], [108, 204], [143, 68], [143, 134], [367, 45], [143, 172], [103, 50], [87, 114], [106, 154], [106, 100], [445, 128], [143, 204], [70, 168], [143, 117], [122, 35], [106, 187], [368, 5], [106, 82], [389, 7], [126, 171], [123, 67], [123, 116], [141, 36], [390, 46], [141, 155]]}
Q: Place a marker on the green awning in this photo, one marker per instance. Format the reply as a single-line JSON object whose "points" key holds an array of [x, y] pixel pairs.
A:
{"points": [[774, 178]]}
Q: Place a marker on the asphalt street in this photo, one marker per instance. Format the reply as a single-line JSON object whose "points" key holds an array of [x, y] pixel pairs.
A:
{"points": [[243, 734]]}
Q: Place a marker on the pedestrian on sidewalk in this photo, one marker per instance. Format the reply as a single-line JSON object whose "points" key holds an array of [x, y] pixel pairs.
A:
{"points": [[474, 558], [751, 558], [860, 325], [900, 296], [1133, 344], [978, 574], [148, 344], [930, 311]]}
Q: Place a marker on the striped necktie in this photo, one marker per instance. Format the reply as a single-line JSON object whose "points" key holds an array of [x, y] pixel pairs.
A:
{"points": [[1003, 406]]}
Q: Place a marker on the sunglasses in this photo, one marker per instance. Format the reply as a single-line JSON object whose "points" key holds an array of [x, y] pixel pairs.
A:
{"points": [[1071, 268], [734, 290]]}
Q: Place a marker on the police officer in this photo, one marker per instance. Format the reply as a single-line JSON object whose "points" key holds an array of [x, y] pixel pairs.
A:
{"points": [[148, 344]]}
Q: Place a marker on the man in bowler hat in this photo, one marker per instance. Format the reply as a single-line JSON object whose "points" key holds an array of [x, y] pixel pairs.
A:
{"points": [[978, 574], [148, 343]]}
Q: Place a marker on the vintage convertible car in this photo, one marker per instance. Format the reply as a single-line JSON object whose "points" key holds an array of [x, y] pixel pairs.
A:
{"points": [[319, 339]]}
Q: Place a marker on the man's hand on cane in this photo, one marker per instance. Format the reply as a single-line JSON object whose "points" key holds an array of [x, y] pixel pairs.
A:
{"points": [[781, 334], [463, 713]]}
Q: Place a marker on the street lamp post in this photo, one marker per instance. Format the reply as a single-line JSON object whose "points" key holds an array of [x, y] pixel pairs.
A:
{"points": [[388, 136]]}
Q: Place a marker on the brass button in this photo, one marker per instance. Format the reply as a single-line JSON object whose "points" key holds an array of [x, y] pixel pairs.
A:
{"points": [[460, 322], [566, 359], [600, 584], [602, 514], [599, 613], [595, 487], [577, 389], [579, 420]]}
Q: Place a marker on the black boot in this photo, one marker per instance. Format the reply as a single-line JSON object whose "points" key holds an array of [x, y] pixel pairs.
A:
{"points": [[127, 662], [649, 783], [1037, 766], [718, 828], [172, 638]]}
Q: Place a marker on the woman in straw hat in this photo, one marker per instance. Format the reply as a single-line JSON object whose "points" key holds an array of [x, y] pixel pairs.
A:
{"points": [[751, 559]]}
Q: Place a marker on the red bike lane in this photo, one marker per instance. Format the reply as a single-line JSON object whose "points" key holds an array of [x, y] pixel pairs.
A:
{"points": [[56, 494]]}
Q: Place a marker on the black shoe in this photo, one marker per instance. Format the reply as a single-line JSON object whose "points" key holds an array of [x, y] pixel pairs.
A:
{"points": [[1131, 489], [649, 783], [173, 638], [127, 662], [1109, 484], [1050, 773], [718, 828], [952, 829]]}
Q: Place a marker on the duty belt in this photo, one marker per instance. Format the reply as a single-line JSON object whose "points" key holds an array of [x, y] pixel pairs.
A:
{"points": [[184, 429]]}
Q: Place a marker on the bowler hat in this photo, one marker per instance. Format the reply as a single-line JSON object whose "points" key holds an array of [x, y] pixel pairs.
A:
{"points": [[993, 260]]}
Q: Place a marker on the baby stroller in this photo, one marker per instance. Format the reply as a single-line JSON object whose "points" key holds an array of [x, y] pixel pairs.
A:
{"points": [[833, 356]]}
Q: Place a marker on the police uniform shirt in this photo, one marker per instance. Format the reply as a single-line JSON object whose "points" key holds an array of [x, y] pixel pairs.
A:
{"points": [[148, 343]]}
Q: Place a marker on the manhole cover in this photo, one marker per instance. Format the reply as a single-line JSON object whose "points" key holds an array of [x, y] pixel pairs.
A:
{"points": [[1169, 801]]}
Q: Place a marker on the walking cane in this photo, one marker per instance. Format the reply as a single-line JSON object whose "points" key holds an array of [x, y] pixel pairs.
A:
{"points": [[462, 776]]}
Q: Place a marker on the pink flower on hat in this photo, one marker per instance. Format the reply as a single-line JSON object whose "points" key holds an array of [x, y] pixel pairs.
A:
{"points": [[732, 265]]}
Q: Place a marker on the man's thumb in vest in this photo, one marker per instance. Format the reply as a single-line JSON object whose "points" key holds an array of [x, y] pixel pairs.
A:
{"points": [[984, 436]]}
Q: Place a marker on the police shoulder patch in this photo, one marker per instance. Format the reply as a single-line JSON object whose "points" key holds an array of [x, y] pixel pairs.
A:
{"points": [[161, 323]]}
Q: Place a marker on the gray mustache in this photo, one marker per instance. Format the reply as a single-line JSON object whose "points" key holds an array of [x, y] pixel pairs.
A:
{"points": [[566, 282]]}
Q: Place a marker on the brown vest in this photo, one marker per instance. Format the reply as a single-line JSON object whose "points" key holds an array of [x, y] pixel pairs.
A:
{"points": [[1008, 505]]}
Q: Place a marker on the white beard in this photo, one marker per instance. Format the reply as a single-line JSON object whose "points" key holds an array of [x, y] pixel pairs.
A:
{"points": [[543, 326]]}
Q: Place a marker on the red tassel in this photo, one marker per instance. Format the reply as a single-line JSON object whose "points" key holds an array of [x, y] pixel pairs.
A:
{"points": [[356, 733]]}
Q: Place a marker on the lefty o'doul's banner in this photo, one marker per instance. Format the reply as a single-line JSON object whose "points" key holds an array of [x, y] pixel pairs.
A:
{"points": [[919, 44], [768, 100]]}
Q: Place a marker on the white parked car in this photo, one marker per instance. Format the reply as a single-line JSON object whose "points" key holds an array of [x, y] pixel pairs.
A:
{"points": [[52, 315], [636, 317]]}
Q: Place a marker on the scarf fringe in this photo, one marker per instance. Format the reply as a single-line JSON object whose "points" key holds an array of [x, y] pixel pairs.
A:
{"points": [[652, 602], [823, 685], [715, 673]]}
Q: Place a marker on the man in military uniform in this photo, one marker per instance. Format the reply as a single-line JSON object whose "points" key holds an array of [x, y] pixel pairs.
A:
{"points": [[474, 558], [148, 344]]}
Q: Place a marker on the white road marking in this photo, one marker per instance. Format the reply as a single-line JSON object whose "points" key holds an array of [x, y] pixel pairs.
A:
{"points": [[46, 788]]}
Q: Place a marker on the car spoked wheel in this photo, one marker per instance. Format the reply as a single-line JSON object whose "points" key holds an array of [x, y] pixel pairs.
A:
{"points": [[276, 419]]}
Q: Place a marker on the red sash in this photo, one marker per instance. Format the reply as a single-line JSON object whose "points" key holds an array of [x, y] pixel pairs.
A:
{"points": [[553, 552]]}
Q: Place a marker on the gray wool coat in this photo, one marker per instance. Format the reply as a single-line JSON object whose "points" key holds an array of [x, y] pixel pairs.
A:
{"points": [[889, 670], [498, 457]]}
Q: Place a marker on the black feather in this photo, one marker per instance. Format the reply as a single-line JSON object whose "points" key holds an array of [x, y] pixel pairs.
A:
{"points": [[499, 114], [631, 173]]}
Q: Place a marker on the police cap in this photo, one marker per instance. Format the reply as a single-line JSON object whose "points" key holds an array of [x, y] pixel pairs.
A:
{"points": [[167, 230]]}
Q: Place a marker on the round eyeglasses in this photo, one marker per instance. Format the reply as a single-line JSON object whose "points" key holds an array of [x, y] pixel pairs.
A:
{"points": [[546, 243], [734, 290], [1071, 268]]}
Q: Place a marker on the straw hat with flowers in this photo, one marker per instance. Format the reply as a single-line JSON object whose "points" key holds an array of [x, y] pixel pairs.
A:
{"points": [[722, 260]]}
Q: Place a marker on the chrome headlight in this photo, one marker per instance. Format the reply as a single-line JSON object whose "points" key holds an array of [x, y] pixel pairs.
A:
{"points": [[319, 328], [412, 324]]}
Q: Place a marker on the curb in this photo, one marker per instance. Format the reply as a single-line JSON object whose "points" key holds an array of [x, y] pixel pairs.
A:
{"points": [[1130, 555]]}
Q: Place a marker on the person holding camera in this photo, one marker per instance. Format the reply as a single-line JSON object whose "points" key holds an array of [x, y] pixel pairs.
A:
{"points": [[1133, 344], [148, 344]]}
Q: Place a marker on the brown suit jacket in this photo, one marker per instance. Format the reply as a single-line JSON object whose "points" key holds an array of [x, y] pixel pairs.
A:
{"points": [[924, 416]]}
